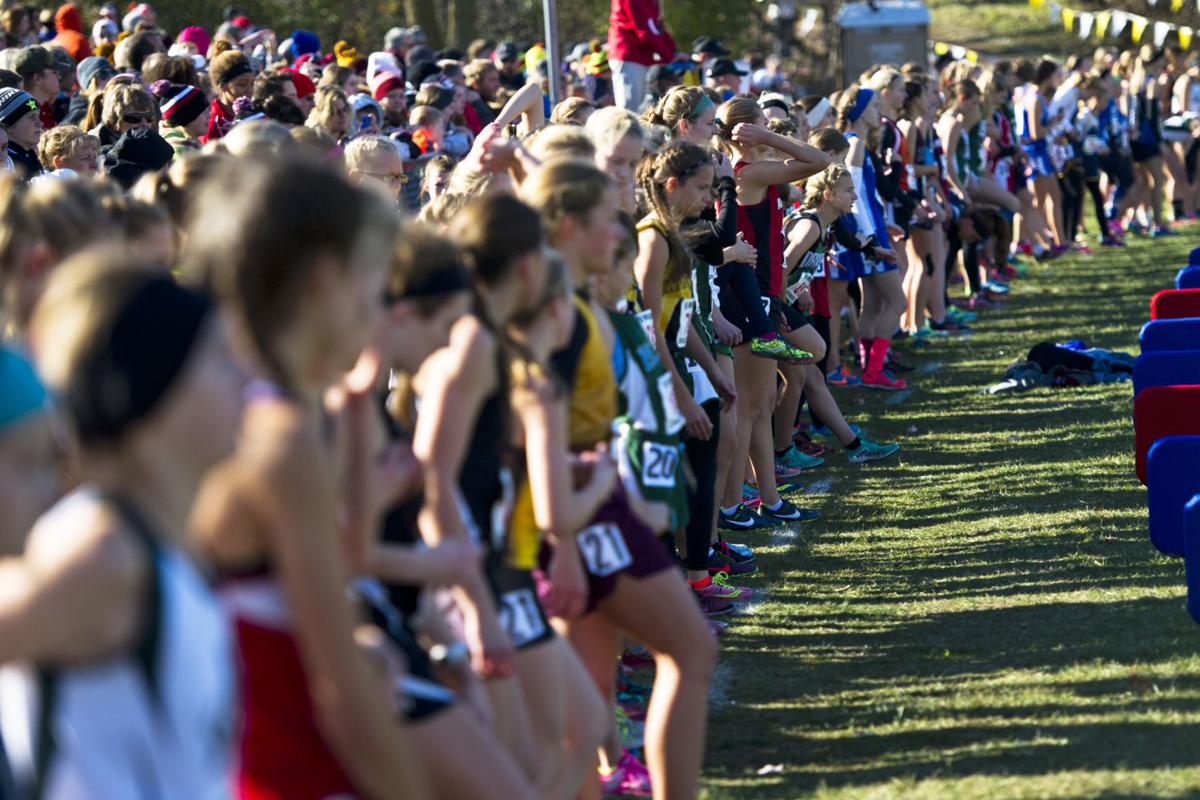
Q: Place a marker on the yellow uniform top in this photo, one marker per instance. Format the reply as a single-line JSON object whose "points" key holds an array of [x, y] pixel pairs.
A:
{"points": [[585, 365], [672, 292]]}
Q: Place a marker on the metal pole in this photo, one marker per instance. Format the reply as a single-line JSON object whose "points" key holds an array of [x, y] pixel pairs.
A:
{"points": [[553, 62]]}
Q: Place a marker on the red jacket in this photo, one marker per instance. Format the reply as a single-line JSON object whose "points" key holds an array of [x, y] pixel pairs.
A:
{"points": [[69, 24], [636, 33]]}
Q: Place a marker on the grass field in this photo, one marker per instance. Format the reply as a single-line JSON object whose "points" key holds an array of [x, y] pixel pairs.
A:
{"points": [[985, 617]]}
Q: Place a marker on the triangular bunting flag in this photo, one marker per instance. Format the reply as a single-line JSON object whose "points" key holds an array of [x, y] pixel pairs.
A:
{"points": [[1086, 20], [1068, 18], [940, 48], [1161, 29], [1185, 36], [1176, 5], [1137, 27], [1040, 3], [1055, 11], [809, 23], [973, 56], [1153, 3], [958, 51], [1119, 18], [1102, 18]]}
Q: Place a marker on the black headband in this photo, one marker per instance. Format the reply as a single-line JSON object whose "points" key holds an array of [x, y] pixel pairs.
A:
{"points": [[235, 70], [435, 283], [123, 376]]}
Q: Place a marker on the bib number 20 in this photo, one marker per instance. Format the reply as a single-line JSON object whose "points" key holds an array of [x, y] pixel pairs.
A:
{"points": [[603, 549], [658, 465]]}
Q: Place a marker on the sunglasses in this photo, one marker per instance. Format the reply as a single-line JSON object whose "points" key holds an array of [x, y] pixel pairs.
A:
{"points": [[134, 119]]}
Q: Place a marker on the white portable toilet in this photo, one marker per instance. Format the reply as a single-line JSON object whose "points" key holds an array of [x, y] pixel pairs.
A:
{"points": [[881, 32]]}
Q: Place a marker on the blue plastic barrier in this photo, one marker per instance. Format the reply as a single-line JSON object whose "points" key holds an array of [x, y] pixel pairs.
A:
{"points": [[1188, 278], [1171, 368], [1170, 334], [1172, 478], [1191, 556]]}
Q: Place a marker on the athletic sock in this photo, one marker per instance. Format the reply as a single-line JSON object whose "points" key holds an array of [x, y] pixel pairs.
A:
{"points": [[877, 356], [730, 510], [857, 443], [700, 584], [775, 507], [864, 350], [766, 337]]}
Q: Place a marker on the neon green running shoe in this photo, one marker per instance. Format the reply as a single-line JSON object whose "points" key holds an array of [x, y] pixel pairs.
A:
{"points": [[779, 349]]}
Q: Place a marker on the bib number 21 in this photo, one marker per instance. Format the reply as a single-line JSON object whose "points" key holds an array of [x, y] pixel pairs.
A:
{"points": [[603, 549]]}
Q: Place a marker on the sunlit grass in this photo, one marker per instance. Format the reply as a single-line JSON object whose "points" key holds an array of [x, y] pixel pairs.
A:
{"points": [[984, 617]]}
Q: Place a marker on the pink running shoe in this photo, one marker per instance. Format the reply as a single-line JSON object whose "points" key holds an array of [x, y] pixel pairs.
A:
{"points": [[882, 381], [629, 777]]}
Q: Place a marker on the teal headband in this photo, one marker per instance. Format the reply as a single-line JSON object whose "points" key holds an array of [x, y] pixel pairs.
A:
{"points": [[703, 104], [21, 393]]}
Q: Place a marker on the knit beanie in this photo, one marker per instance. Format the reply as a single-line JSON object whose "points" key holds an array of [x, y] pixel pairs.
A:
{"points": [[179, 104]]}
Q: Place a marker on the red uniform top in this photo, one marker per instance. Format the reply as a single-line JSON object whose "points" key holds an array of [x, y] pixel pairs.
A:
{"points": [[636, 33]]}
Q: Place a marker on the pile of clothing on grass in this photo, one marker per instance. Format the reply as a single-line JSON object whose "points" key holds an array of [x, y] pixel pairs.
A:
{"points": [[1071, 363]]}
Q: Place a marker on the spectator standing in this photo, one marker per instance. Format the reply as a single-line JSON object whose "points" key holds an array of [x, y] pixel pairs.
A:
{"points": [[637, 39]]}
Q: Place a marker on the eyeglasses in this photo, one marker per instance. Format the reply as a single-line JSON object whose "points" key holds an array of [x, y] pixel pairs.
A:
{"points": [[390, 178], [134, 119]]}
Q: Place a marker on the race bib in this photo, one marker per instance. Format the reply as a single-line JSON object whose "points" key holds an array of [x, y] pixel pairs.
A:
{"points": [[702, 388], [521, 617], [659, 462], [647, 321], [603, 549], [666, 391], [687, 307]]}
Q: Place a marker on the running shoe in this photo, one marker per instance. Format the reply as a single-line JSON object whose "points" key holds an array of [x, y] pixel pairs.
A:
{"points": [[1162, 230], [995, 287], [779, 349], [1111, 241], [805, 444], [712, 600], [739, 520], [786, 512], [795, 461], [715, 626], [871, 451], [729, 562], [962, 317], [733, 550], [721, 589], [629, 777], [1083, 248], [1025, 248], [947, 327], [842, 376], [883, 381], [1115, 229], [721, 579]]}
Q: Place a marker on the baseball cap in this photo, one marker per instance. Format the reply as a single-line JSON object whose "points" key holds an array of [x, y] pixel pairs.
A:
{"points": [[659, 72], [29, 61], [709, 46], [506, 51], [719, 67]]}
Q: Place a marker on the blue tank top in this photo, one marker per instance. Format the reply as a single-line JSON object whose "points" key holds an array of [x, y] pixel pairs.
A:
{"points": [[872, 198]]}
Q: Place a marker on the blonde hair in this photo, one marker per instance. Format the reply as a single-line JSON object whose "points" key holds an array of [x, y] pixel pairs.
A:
{"points": [[326, 98], [441, 211], [565, 187], [360, 152], [608, 126], [425, 116], [559, 141], [569, 111], [121, 99], [64, 141], [824, 181], [883, 79], [678, 104]]}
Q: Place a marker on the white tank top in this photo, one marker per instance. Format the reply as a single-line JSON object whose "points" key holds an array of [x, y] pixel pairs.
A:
{"points": [[155, 722]]}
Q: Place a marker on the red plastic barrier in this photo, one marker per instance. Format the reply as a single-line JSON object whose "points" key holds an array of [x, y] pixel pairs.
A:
{"points": [[1160, 411], [1175, 304]]}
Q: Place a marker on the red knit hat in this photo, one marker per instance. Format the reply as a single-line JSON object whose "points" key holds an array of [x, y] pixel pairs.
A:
{"points": [[304, 84], [385, 82]]}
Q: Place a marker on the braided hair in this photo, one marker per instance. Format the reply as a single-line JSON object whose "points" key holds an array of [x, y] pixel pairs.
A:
{"points": [[677, 159]]}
